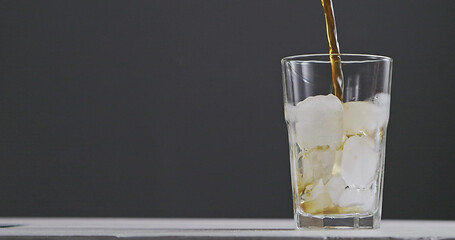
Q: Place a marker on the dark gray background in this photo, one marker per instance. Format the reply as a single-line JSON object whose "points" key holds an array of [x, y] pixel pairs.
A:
{"points": [[173, 108]]}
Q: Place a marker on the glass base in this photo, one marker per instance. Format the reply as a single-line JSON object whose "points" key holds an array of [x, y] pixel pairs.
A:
{"points": [[338, 221]]}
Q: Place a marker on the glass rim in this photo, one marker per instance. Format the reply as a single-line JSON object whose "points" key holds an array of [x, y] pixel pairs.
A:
{"points": [[312, 57]]}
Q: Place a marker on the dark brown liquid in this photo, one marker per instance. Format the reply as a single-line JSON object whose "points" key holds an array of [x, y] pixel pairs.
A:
{"points": [[335, 60]]}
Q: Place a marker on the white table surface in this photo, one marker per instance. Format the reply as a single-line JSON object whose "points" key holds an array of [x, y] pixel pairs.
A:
{"points": [[156, 228]]}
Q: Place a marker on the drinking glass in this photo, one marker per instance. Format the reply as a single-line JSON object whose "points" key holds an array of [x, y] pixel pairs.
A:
{"points": [[337, 148]]}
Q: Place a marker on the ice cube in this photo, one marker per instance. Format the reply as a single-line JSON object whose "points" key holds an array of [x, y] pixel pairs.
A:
{"points": [[318, 205], [359, 161], [316, 198], [315, 190], [369, 199], [356, 197], [335, 188], [307, 173], [322, 161], [382, 100], [318, 121], [351, 197], [365, 116]]}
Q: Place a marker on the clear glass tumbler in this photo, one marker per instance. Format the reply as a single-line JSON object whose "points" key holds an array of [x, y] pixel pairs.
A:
{"points": [[337, 148]]}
